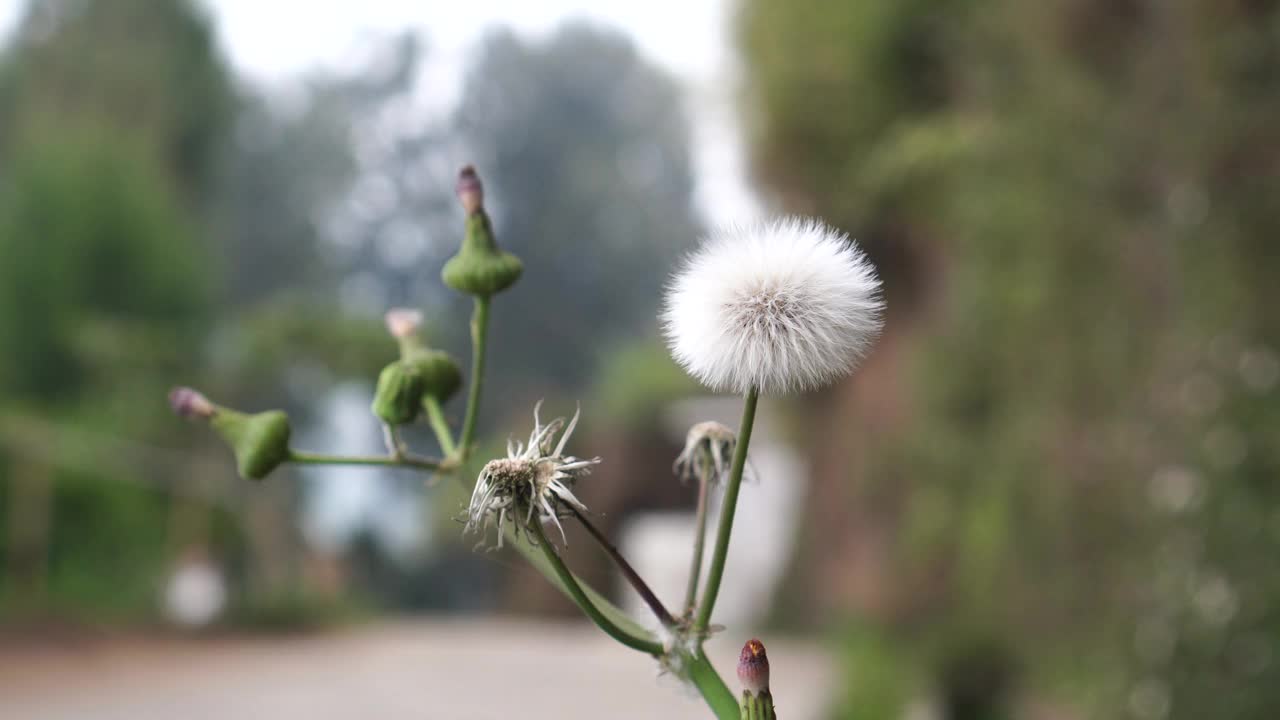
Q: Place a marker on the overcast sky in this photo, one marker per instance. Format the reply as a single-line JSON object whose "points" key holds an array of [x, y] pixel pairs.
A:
{"points": [[265, 42]]}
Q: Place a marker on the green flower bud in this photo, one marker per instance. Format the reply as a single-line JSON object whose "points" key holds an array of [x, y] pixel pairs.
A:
{"points": [[441, 375], [259, 441], [399, 394], [480, 267]]}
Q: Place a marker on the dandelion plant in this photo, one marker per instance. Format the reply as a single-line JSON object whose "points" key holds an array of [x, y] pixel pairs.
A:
{"points": [[769, 309]]}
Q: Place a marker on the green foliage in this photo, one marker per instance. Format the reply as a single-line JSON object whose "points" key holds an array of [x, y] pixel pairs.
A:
{"points": [[1081, 195], [94, 256], [636, 381]]}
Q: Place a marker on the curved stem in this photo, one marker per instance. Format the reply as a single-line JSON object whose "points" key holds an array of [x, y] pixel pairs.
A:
{"points": [[712, 688], [440, 426], [412, 461], [479, 332], [699, 542], [716, 573], [579, 597], [646, 593]]}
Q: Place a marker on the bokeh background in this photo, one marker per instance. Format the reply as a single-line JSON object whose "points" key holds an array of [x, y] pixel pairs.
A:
{"points": [[1050, 493]]}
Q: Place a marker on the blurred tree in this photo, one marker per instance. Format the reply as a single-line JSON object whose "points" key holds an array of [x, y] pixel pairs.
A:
{"points": [[113, 113], [1074, 193], [584, 151]]}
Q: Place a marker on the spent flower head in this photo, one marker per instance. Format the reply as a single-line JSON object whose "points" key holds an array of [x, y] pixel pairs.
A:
{"points": [[533, 483], [708, 452], [782, 306]]}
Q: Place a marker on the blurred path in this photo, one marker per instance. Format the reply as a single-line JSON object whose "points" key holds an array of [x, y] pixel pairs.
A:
{"points": [[437, 669]]}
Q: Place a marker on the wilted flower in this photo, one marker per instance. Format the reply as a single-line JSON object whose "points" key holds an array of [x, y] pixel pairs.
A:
{"points": [[532, 480], [783, 306], [708, 451]]}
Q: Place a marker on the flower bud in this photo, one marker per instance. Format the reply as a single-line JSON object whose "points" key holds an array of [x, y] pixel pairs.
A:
{"points": [[399, 394], [189, 403], [260, 441], [480, 267], [441, 376], [753, 667], [753, 673]]}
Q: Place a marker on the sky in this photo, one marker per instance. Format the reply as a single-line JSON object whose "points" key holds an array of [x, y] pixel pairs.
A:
{"points": [[689, 38]]}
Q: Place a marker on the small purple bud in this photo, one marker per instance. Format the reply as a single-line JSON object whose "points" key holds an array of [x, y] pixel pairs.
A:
{"points": [[469, 190], [753, 667], [190, 403]]}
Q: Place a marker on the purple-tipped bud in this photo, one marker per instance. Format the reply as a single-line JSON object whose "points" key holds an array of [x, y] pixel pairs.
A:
{"points": [[753, 667], [403, 322], [189, 403], [469, 190]]}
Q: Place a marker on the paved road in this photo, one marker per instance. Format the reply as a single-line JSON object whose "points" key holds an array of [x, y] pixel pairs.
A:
{"points": [[437, 669]]}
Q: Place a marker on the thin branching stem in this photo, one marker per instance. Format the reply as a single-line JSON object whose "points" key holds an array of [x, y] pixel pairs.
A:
{"points": [[407, 460], [699, 540], [716, 572], [578, 596], [439, 425], [479, 333], [642, 588]]}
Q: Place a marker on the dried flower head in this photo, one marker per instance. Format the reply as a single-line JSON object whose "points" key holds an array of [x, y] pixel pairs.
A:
{"points": [[533, 480], [402, 322], [708, 452], [782, 306]]}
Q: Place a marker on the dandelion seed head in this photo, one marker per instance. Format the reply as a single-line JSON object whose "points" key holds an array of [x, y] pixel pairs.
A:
{"points": [[783, 306]]}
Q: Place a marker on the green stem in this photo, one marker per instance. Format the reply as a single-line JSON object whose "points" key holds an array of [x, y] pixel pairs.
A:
{"points": [[699, 542], [440, 426], [479, 331], [729, 505], [641, 587], [580, 597], [413, 461], [712, 688]]}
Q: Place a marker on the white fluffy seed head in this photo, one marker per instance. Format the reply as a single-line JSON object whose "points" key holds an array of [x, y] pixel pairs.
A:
{"points": [[783, 306]]}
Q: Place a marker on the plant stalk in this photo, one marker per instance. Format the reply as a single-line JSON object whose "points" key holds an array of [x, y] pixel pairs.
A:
{"points": [[479, 333], [699, 543], [305, 458], [580, 597], [712, 688], [439, 425], [642, 588], [716, 572]]}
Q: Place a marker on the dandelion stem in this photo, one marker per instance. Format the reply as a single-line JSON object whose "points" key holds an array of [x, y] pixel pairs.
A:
{"points": [[699, 540], [575, 592], [479, 330], [440, 426], [646, 593], [413, 461], [716, 571]]}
